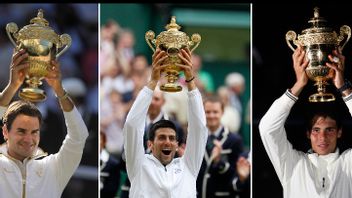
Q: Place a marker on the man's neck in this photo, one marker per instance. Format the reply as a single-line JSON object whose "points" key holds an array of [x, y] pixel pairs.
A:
{"points": [[215, 130]]}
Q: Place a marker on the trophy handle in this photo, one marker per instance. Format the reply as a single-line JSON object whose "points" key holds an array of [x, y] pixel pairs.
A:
{"points": [[344, 30], [291, 36], [11, 28], [196, 38], [65, 40], [149, 38]]}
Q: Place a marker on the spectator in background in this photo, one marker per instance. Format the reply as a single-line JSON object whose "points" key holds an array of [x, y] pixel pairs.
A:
{"points": [[203, 79], [231, 117], [140, 72], [222, 151], [241, 182], [109, 171], [116, 78], [235, 82], [112, 117], [109, 33], [124, 51]]}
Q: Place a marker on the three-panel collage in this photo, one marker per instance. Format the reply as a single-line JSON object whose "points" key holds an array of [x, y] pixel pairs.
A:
{"points": [[175, 100]]}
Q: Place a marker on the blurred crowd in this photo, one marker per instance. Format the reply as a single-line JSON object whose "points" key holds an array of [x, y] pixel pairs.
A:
{"points": [[123, 73], [79, 66]]}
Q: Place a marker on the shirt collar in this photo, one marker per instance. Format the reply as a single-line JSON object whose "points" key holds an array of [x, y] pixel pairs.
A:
{"points": [[329, 158], [217, 132]]}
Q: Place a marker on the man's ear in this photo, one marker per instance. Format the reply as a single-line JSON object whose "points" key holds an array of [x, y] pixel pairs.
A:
{"points": [[150, 145], [5, 132], [339, 133]]}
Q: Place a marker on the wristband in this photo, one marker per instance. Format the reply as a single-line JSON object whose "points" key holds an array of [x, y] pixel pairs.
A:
{"points": [[62, 97], [346, 85], [187, 81]]}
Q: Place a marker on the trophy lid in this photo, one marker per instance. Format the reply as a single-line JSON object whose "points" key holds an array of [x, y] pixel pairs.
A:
{"points": [[38, 29], [173, 26], [172, 35], [318, 24]]}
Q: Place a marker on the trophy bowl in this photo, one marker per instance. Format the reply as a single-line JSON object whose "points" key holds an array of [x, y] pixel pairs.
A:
{"points": [[172, 41], [42, 45], [319, 41]]}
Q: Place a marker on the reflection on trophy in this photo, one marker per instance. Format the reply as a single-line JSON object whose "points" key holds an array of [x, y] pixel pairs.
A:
{"points": [[42, 45], [318, 42], [172, 41]]}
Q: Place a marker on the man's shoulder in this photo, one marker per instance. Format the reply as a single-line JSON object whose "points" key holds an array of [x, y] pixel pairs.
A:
{"points": [[234, 136]]}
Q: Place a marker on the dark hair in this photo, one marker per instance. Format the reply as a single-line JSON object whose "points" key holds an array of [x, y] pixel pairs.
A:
{"points": [[323, 114], [20, 107], [161, 124]]}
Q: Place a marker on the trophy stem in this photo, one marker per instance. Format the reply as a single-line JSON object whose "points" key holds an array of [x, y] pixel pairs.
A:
{"points": [[32, 93], [321, 96], [170, 86], [321, 86]]}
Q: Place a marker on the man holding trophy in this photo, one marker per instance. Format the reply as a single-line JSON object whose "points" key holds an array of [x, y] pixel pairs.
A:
{"points": [[158, 174], [26, 170], [323, 171]]}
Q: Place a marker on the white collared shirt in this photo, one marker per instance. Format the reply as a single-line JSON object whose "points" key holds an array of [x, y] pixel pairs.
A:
{"points": [[303, 174], [47, 177], [149, 178]]}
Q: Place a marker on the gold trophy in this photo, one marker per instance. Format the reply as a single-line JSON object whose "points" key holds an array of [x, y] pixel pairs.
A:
{"points": [[42, 45], [172, 41], [318, 42]]}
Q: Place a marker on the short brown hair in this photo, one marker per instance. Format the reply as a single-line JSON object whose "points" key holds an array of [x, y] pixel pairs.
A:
{"points": [[214, 99], [20, 107]]}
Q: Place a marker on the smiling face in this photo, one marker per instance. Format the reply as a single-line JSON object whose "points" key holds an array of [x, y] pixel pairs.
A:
{"points": [[324, 135], [213, 113], [23, 136], [164, 145]]}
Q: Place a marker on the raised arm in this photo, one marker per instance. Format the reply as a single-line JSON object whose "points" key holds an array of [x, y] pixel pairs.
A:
{"points": [[17, 75], [133, 130], [197, 130], [300, 64], [338, 66], [71, 151], [271, 126], [54, 80], [70, 154]]}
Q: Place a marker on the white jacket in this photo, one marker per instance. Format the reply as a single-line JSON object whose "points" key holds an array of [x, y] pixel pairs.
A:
{"points": [[304, 175], [45, 177], [149, 178]]}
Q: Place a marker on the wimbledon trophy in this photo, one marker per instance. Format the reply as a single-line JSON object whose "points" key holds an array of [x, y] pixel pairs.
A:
{"points": [[42, 45], [172, 41], [318, 42]]}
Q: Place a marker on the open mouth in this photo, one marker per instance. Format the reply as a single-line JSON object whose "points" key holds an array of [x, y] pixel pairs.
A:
{"points": [[166, 151]]}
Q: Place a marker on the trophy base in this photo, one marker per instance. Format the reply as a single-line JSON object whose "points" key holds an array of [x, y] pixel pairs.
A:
{"points": [[169, 87], [32, 94], [322, 97]]}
